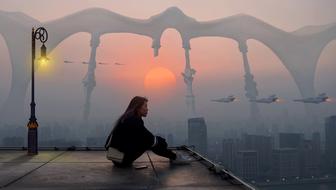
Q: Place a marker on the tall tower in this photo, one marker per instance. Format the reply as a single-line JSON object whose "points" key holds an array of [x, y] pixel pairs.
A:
{"points": [[89, 81], [330, 144], [251, 91], [197, 134]]}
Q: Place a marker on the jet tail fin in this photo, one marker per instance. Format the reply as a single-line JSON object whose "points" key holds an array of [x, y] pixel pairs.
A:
{"points": [[322, 95]]}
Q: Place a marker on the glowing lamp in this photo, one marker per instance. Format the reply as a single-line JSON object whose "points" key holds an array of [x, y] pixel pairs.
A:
{"points": [[32, 125], [43, 59]]}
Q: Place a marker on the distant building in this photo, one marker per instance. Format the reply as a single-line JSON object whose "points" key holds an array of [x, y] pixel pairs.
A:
{"points": [[214, 152], [263, 145], [170, 140], [291, 140], [285, 163], [275, 136], [261, 129], [330, 143], [229, 153], [197, 134], [309, 152], [247, 164], [310, 156]]}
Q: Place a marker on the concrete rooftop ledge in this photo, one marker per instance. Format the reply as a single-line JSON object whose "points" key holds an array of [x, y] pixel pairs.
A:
{"points": [[91, 170]]}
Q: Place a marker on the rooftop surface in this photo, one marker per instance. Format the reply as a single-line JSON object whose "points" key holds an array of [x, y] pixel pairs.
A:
{"points": [[91, 170]]}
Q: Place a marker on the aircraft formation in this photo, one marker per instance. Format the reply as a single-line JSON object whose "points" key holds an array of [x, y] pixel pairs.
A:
{"points": [[275, 99], [100, 63], [231, 98]]}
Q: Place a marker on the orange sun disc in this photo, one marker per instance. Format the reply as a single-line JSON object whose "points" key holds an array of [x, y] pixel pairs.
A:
{"points": [[159, 78]]}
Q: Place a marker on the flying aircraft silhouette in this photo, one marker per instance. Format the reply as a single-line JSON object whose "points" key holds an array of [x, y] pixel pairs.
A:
{"points": [[103, 63], [271, 99], [66, 61], [315, 100], [228, 99], [116, 63], [100, 63]]}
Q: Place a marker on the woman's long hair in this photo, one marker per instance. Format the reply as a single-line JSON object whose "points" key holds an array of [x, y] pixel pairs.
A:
{"points": [[132, 109]]}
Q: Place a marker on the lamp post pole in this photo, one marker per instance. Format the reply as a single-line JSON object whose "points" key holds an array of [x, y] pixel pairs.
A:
{"points": [[42, 35]]}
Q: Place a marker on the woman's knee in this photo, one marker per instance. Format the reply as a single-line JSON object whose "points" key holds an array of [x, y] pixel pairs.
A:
{"points": [[161, 142]]}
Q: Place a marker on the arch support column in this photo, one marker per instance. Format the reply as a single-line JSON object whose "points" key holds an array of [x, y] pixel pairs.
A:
{"points": [[89, 81], [156, 46], [251, 91], [188, 76]]}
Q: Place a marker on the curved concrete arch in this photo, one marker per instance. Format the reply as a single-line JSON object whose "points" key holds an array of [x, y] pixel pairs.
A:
{"points": [[2, 38], [166, 29], [16, 27], [299, 50], [323, 49], [188, 74], [300, 64], [66, 38], [94, 21], [243, 27], [273, 54]]}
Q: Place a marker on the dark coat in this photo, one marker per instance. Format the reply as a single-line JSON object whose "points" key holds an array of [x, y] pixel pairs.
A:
{"points": [[130, 135]]}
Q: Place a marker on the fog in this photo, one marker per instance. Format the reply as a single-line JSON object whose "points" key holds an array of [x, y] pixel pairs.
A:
{"points": [[60, 95]]}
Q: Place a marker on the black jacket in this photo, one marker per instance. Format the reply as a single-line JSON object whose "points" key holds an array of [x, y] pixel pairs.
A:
{"points": [[130, 135]]}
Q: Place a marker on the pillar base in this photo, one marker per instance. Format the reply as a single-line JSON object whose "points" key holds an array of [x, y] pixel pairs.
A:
{"points": [[32, 141]]}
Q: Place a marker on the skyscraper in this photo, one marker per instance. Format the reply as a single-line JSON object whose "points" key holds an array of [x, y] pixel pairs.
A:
{"points": [[291, 140], [170, 139], [330, 144], [229, 153], [285, 163], [310, 156], [247, 164], [263, 146], [197, 134]]}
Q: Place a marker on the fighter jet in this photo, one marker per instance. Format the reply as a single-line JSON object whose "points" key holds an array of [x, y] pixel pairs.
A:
{"points": [[66, 61], [228, 99], [85, 62], [119, 64], [103, 63], [271, 99], [315, 100]]}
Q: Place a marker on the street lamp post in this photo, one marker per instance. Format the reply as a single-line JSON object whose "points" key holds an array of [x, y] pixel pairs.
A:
{"points": [[42, 35]]}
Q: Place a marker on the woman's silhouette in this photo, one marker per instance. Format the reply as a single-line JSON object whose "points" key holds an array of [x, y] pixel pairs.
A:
{"points": [[129, 138]]}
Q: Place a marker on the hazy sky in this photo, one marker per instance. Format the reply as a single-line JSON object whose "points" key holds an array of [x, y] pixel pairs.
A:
{"points": [[217, 60]]}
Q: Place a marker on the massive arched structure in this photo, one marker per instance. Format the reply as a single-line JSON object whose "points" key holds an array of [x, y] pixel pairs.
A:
{"points": [[5, 71], [16, 30], [299, 50]]}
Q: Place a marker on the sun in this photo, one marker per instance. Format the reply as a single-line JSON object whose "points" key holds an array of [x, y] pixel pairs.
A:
{"points": [[159, 78]]}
